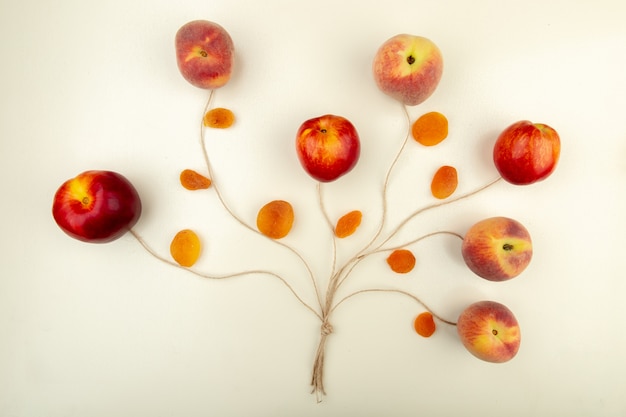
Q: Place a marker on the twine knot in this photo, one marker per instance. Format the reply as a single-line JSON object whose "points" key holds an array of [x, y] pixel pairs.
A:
{"points": [[327, 328]]}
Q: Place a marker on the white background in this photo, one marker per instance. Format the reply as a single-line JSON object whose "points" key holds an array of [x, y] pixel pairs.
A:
{"points": [[101, 330]]}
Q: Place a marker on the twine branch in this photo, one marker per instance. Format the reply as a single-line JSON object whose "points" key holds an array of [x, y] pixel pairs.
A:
{"points": [[392, 290], [152, 252], [411, 242], [386, 182], [433, 206], [320, 198]]}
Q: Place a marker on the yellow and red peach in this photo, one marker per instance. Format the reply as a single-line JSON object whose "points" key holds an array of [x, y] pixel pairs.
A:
{"points": [[408, 68], [96, 206], [328, 147], [489, 331], [204, 54], [497, 248]]}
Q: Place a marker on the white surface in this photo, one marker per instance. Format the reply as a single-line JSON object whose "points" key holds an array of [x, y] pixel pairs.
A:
{"points": [[108, 330]]}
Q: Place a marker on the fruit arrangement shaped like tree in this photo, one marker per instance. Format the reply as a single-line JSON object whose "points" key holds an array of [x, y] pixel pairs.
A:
{"points": [[101, 206]]}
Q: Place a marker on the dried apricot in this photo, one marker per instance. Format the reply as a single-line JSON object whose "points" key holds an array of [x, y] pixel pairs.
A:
{"points": [[425, 324], [192, 180], [275, 219], [348, 224], [444, 182], [219, 118], [401, 261], [185, 247], [430, 128]]}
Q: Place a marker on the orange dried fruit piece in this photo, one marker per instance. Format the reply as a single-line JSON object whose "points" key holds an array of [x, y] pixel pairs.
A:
{"points": [[275, 219], [425, 324], [430, 128], [219, 118], [185, 247], [348, 223], [401, 261], [444, 182], [192, 180]]}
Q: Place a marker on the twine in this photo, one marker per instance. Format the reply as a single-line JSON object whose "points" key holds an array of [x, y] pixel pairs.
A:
{"points": [[326, 328], [317, 379]]}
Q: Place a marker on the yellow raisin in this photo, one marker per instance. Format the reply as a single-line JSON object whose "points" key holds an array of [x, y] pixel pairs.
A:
{"points": [[430, 129], [275, 219], [425, 324], [348, 224], [192, 180], [444, 182], [219, 118], [401, 261], [185, 247]]}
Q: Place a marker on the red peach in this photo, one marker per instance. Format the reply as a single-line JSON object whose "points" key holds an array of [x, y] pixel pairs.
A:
{"points": [[96, 206], [526, 152], [204, 54], [328, 147]]}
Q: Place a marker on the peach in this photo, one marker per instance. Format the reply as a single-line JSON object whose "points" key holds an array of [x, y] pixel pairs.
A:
{"points": [[328, 147], [408, 68], [526, 152], [497, 248], [489, 331], [96, 206], [204, 53]]}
